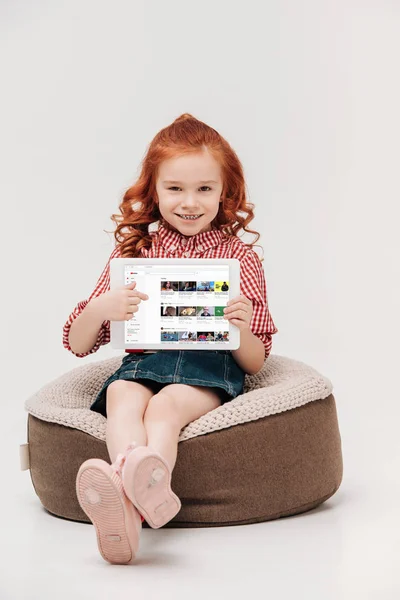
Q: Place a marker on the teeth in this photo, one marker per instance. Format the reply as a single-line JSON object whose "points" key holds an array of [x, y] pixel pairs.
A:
{"points": [[192, 217]]}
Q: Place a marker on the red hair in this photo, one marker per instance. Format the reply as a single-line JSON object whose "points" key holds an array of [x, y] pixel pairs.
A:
{"points": [[138, 207]]}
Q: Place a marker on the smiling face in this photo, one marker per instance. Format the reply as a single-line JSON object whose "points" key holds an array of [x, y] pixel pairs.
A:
{"points": [[190, 186]]}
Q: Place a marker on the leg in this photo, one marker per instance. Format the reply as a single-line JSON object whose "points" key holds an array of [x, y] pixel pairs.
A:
{"points": [[99, 486], [147, 470], [171, 409], [126, 404]]}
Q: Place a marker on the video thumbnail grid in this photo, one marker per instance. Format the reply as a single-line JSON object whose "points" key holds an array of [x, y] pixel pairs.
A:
{"points": [[201, 321]]}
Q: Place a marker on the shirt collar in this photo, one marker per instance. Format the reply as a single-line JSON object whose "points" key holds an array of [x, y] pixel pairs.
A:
{"points": [[171, 239]]}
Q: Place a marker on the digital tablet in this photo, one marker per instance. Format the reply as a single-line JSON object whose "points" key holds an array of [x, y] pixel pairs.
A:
{"points": [[186, 301]]}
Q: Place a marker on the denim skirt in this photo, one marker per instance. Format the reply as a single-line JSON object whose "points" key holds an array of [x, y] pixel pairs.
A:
{"points": [[211, 368]]}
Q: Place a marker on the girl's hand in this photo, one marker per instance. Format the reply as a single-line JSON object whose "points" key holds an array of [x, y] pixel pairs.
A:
{"points": [[239, 311], [119, 304]]}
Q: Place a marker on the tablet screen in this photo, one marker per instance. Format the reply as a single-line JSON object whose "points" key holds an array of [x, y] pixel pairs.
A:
{"points": [[185, 305]]}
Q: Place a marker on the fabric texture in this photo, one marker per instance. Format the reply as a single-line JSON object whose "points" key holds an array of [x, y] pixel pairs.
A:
{"points": [[281, 385], [278, 466], [216, 369], [168, 243]]}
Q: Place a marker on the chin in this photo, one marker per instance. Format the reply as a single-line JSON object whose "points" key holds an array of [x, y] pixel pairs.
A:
{"points": [[192, 228]]}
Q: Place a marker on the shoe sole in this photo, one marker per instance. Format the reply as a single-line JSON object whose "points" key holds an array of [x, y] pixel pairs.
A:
{"points": [[101, 496], [156, 502]]}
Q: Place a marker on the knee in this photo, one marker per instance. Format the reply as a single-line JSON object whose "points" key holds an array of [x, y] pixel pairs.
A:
{"points": [[162, 407], [120, 395]]}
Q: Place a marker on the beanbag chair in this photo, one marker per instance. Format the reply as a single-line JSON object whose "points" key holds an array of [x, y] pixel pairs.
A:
{"points": [[273, 451]]}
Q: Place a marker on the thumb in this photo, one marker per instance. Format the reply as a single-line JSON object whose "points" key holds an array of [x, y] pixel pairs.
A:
{"points": [[129, 285]]}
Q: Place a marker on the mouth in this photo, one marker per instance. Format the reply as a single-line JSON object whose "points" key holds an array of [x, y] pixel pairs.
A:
{"points": [[188, 217]]}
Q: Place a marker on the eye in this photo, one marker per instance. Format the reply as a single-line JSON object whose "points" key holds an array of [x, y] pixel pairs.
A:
{"points": [[174, 187]]}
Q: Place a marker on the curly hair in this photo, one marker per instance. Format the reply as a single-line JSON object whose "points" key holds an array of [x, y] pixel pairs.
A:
{"points": [[139, 208]]}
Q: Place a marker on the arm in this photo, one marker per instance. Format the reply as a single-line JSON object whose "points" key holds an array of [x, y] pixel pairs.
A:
{"points": [[257, 328], [250, 355], [88, 331], [85, 330]]}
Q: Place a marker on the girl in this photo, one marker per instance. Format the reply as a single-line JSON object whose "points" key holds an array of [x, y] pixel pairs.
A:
{"points": [[192, 187]]}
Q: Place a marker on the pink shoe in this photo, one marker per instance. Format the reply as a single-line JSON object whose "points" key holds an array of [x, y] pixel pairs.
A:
{"points": [[117, 522], [146, 478]]}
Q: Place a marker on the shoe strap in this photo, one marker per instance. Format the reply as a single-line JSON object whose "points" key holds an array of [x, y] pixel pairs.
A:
{"points": [[119, 462]]}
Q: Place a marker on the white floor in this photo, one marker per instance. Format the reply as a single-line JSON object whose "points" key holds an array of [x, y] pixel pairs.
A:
{"points": [[348, 548]]}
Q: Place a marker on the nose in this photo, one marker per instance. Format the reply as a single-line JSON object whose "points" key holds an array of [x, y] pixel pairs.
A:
{"points": [[189, 200]]}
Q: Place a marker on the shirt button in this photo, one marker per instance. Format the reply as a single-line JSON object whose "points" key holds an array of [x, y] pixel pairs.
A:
{"points": [[172, 248], [186, 254], [184, 242], [200, 247]]}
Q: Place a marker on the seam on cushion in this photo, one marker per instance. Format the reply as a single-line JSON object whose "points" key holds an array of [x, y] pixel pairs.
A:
{"points": [[280, 515]]}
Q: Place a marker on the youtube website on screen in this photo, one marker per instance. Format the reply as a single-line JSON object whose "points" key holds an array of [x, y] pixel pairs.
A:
{"points": [[185, 304]]}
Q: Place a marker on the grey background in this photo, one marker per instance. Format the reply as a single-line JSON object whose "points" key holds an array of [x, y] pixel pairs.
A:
{"points": [[308, 95]]}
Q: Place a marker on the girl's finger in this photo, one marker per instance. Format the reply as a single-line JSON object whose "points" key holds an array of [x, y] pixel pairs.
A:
{"points": [[137, 294], [238, 305], [237, 322], [237, 314]]}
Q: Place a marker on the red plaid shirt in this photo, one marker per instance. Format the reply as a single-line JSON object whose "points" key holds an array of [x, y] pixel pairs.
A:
{"points": [[167, 243]]}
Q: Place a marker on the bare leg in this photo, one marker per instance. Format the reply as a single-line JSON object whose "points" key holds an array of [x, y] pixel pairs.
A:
{"points": [[126, 404], [171, 409], [163, 438]]}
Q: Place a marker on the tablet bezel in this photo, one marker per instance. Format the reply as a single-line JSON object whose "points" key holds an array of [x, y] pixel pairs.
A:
{"points": [[117, 328]]}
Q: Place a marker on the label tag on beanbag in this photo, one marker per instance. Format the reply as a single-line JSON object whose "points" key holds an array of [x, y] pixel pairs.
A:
{"points": [[24, 457]]}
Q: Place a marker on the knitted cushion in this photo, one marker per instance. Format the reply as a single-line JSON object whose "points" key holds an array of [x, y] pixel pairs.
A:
{"points": [[273, 451]]}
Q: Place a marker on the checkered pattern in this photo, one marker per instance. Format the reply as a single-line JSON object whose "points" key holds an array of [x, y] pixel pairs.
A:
{"points": [[168, 243]]}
